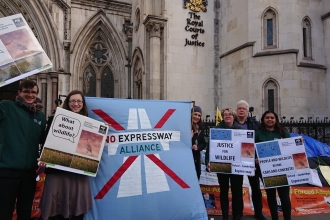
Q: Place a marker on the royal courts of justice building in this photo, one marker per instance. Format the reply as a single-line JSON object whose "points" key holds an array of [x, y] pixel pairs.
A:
{"points": [[275, 54]]}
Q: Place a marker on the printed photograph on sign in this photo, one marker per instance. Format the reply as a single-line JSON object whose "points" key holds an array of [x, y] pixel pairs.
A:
{"points": [[19, 43], [209, 200], [83, 163], [248, 150], [300, 161], [33, 62], [269, 149], [276, 181], [56, 157], [220, 167], [89, 144], [8, 71], [220, 134]]}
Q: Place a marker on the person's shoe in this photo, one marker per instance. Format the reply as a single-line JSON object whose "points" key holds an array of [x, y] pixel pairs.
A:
{"points": [[260, 216], [237, 217], [225, 217]]}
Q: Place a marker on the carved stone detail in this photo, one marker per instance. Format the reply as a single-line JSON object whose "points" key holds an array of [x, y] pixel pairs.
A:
{"points": [[128, 30], [154, 29], [66, 44], [154, 25]]}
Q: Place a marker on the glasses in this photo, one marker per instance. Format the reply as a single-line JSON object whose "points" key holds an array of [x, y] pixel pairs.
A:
{"points": [[30, 92], [226, 115], [76, 101]]}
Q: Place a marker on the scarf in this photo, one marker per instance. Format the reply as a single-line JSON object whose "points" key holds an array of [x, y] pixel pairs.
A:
{"points": [[34, 107]]}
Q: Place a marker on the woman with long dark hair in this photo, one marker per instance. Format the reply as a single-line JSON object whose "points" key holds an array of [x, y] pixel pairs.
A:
{"points": [[272, 130], [67, 195], [197, 137]]}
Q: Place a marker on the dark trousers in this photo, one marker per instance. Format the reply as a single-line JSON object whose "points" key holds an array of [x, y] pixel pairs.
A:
{"points": [[60, 217], [256, 192], [18, 185], [236, 182], [284, 194]]}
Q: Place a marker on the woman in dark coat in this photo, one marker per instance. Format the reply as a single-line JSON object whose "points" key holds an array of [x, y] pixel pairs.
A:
{"points": [[236, 181], [197, 137]]}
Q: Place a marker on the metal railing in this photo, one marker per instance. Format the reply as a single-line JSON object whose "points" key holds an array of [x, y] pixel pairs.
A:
{"points": [[319, 130]]}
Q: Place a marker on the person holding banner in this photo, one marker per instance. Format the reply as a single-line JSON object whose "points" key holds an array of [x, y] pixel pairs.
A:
{"points": [[197, 137], [22, 126], [271, 130], [250, 123], [236, 181], [67, 195]]}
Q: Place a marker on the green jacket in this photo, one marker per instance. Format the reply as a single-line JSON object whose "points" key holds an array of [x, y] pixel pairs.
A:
{"points": [[21, 132], [266, 135]]}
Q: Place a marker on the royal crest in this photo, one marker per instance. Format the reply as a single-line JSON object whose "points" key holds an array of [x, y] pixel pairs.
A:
{"points": [[195, 5]]}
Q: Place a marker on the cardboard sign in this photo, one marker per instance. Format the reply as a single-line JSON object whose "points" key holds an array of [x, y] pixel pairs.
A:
{"points": [[20, 52], [74, 143], [283, 162], [232, 151]]}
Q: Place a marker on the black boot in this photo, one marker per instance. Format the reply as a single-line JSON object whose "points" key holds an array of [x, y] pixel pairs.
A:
{"points": [[237, 217], [224, 209], [259, 216]]}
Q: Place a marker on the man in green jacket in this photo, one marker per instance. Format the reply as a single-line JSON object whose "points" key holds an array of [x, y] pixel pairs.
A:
{"points": [[22, 129]]}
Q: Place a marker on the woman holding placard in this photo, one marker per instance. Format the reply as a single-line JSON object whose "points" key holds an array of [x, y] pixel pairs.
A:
{"points": [[236, 181], [67, 195], [271, 130]]}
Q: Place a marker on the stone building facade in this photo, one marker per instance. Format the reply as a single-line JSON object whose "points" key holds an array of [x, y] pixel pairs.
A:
{"points": [[272, 53]]}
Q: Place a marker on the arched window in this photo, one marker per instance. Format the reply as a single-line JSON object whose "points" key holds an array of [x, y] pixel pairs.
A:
{"points": [[107, 83], [270, 29], [307, 38], [137, 84], [98, 77], [137, 78], [89, 82], [271, 97]]}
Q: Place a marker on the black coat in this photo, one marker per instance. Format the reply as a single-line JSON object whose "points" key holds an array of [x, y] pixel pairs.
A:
{"points": [[198, 138]]}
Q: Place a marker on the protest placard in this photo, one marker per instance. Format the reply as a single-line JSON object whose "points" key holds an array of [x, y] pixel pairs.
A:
{"points": [[74, 143], [147, 169], [283, 162], [232, 151], [20, 52]]}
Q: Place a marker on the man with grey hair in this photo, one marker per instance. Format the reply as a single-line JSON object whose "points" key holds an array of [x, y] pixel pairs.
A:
{"points": [[250, 123]]}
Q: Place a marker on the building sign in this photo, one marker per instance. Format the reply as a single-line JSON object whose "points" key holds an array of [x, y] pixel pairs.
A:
{"points": [[194, 23]]}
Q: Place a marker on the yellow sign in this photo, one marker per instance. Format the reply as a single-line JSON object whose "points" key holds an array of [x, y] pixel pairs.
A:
{"points": [[218, 117]]}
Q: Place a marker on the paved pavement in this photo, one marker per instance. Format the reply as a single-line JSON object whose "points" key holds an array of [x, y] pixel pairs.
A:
{"points": [[306, 217]]}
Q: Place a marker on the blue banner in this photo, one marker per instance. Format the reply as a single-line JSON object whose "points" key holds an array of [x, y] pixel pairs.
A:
{"points": [[147, 169]]}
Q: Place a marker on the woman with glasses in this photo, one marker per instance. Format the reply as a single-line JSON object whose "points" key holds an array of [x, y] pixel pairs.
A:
{"points": [[66, 195], [236, 181]]}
